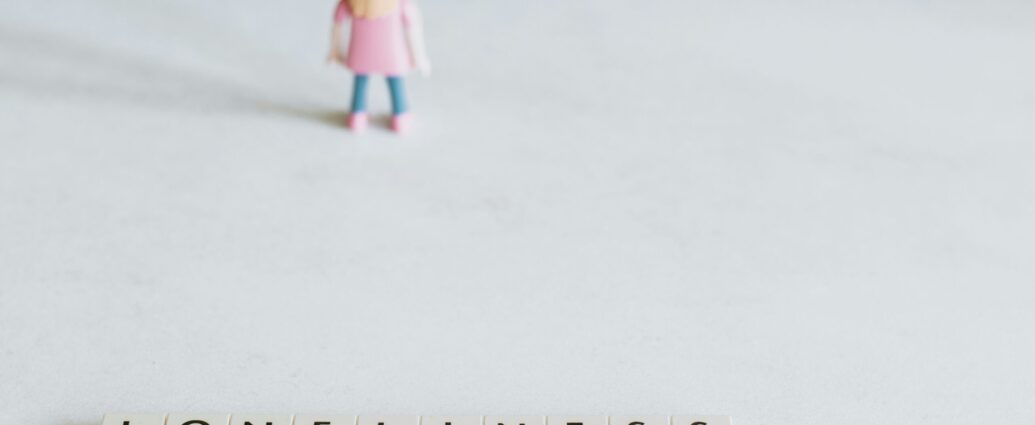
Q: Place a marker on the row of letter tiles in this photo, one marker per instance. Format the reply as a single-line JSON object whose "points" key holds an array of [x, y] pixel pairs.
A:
{"points": [[250, 419]]}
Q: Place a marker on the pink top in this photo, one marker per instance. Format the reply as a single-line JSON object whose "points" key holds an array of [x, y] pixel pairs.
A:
{"points": [[378, 46]]}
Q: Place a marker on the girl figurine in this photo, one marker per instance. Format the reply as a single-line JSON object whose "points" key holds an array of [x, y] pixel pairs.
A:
{"points": [[386, 39]]}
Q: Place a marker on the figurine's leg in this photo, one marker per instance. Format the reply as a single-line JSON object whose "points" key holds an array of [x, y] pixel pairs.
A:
{"points": [[398, 90], [400, 109], [359, 93], [358, 117]]}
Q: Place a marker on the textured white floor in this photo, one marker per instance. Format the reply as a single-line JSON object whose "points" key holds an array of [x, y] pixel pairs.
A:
{"points": [[790, 212]]}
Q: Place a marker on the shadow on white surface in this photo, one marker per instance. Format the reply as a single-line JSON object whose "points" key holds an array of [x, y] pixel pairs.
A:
{"points": [[74, 70]]}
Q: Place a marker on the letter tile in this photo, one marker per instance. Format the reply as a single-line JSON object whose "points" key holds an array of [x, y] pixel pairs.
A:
{"points": [[325, 420], [254, 419], [450, 420], [515, 420], [132, 419], [702, 420], [388, 420], [188, 419], [576, 420], [638, 420]]}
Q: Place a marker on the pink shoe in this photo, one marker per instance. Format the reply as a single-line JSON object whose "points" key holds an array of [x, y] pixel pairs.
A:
{"points": [[357, 121], [401, 123]]}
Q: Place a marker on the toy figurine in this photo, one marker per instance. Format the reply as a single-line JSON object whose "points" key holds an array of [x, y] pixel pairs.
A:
{"points": [[386, 39]]}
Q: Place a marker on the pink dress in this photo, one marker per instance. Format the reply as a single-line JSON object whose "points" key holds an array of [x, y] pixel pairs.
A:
{"points": [[378, 46]]}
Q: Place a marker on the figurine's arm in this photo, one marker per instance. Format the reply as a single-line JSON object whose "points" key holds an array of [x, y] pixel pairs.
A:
{"points": [[415, 37], [340, 15]]}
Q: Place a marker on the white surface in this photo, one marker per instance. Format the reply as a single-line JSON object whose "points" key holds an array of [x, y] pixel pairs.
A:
{"points": [[789, 212]]}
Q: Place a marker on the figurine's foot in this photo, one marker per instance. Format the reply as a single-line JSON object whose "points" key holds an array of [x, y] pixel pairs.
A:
{"points": [[357, 121], [401, 123]]}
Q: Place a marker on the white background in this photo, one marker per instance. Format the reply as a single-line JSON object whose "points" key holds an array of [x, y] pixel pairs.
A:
{"points": [[802, 212]]}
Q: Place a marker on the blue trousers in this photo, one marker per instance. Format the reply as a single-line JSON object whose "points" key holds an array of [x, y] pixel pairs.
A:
{"points": [[395, 86]]}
